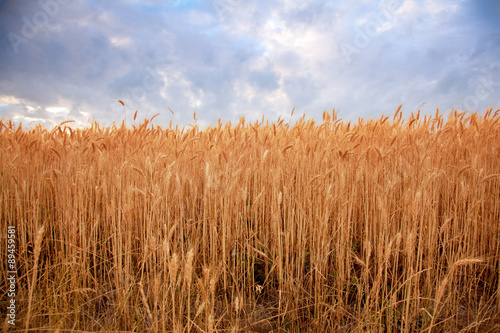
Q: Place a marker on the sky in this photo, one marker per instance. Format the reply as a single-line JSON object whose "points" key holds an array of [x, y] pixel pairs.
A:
{"points": [[225, 59]]}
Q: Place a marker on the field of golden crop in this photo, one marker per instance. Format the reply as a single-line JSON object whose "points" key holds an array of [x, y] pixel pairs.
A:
{"points": [[388, 225]]}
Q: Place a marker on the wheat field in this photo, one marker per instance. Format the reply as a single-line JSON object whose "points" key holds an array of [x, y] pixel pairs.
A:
{"points": [[387, 225]]}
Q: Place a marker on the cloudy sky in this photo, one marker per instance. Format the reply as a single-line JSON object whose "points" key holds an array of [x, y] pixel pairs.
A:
{"points": [[74, 59]]}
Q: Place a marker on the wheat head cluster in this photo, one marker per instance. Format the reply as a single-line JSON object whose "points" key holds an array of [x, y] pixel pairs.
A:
{"points": [[387, 225]]}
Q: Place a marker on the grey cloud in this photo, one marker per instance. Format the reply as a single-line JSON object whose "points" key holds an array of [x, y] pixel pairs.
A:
{"points": [[486, 11], [312, 13], [288, 59], [300, 89], [438, 58], [265, 80]]}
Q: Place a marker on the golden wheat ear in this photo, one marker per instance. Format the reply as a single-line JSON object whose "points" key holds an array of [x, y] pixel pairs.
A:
{"points": [[381, 225]]}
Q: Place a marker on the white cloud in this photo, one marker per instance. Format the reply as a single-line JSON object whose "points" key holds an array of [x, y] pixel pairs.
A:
{"points": [[121, 41], [57, 110], [9, 99], [407, 8]]}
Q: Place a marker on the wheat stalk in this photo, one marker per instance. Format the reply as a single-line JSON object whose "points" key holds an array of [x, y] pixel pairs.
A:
{"points": [[38, 246], [339, 225]]}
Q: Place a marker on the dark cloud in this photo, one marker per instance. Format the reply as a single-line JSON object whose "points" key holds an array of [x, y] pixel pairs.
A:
{"points": [[486, 12]]}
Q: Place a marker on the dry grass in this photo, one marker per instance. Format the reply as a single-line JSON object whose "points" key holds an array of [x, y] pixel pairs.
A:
{"points": [[377, 226]]}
